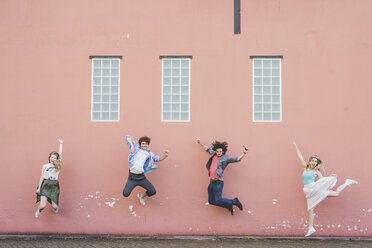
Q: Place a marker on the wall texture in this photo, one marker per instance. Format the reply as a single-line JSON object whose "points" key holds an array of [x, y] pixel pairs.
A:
{"points": [[46, 92]]}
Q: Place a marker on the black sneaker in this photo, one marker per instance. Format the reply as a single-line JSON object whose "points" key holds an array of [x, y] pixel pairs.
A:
{"points": [[231, 209], [239, 204]]}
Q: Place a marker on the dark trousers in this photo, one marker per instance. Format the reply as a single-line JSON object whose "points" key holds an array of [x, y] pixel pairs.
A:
{"points": [[215, 195], [135, 180]]}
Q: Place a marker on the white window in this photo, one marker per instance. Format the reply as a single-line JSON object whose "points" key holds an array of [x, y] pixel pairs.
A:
{"points": [[267, 90], [176, 89], [105, 89]]}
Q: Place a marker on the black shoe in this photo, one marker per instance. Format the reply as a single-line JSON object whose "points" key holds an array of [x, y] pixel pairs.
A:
{"points": [[239, 204], [231, 209]]}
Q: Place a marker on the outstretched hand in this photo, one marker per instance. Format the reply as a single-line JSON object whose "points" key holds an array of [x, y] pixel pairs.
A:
{"points": [[198, 141], [245, 149], [60, 141], [166, 153]]}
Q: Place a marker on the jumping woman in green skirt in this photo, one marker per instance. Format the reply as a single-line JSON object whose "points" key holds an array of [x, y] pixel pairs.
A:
{"points": [[48, 189]]}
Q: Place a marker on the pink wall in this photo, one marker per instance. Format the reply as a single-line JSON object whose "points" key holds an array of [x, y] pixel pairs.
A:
{"points": [[46, 91]]}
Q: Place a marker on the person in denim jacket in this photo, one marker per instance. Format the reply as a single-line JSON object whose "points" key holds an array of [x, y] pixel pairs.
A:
{"points": [[141, 162], [216, 165]]}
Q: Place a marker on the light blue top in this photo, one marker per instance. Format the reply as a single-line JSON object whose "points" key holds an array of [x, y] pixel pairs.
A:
{"points": [[308, 177], [149, 165]]}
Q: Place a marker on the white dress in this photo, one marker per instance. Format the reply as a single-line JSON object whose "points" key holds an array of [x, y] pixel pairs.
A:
{"points": [[317, 191]]}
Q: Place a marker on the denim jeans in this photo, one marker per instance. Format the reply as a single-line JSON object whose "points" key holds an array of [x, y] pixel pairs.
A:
{"points": [[215, 195], [135, 180]]}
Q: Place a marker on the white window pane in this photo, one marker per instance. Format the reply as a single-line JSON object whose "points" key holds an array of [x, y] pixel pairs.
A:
{"points": [[266, 89], [114, 89], [175, 107], [184, 63], [267, 63], [258, 116], [166, 98], [257, 89], [184, 107], [175, 116], [267, 116], [105, 81], [114, 107], [167, 63], [267, 72], [185, 72], [105, 107], [97, 81], [166, 80], [185, 81], [114, 116], [275, 63], [175, 98], [276, 107], [184, 116], [115, 63], [276, 89], [184, 98], [276, 98], [267, 107], [106, 63], [166, 90], [96, 98], [96, 116], [105, 72], [114, 81], [167, 72], [184, 90], [258, 107], [257, 63], [105, 116], [96, 89], [176, 63], [166, 116], [114, 98], [97, 72], [175, 72], [176, 81], [267, 98], [258, 81], [257, 98], [96, 107], [166, 107], [266, 81], [175, 90], [275, 72], [275, 81], [114, 72], [105, 89], [97, 63], [276, 116], [257, 72], [106, 98]]}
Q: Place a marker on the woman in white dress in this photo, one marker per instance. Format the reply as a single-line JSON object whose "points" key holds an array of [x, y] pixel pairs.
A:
{"points": [[317, 191]]}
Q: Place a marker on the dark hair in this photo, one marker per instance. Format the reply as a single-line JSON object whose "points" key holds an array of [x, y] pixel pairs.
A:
{"points": [[216, 145], [144, 139]]}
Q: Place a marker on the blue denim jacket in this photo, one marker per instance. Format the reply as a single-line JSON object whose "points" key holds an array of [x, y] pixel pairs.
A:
{"points": [[223, 161], [149, 165]]}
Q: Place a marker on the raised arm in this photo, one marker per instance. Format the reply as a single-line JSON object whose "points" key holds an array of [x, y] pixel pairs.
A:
{"points": [[203, 146], [166, 154], [60, 148], [245, 150], [128, 139], [299, 155]]}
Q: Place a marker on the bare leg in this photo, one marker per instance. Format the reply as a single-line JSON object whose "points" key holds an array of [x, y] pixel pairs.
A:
{"points": [[55, 207], [311, 217], [338, 191], [43, 202]]}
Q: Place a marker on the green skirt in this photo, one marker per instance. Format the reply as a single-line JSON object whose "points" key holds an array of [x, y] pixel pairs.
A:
{"points": [[49, 189]]}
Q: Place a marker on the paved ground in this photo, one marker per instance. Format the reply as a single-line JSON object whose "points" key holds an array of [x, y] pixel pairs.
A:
{"points": [[73, 242]]}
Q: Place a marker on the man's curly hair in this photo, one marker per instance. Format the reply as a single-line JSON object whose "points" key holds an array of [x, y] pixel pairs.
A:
{"points": [[144, 139], [223, 145]]}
